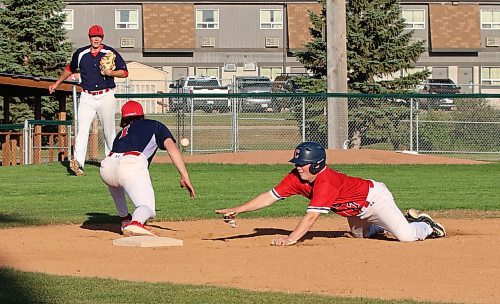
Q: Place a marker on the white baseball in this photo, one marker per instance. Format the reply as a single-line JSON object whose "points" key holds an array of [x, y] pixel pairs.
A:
{"points": [[184, 142]]}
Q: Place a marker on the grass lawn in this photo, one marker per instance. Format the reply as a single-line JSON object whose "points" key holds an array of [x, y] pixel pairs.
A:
{"points": [[46, 194], [26, 287]]}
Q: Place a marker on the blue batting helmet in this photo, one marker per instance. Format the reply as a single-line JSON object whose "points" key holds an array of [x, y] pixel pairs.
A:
{"points": [[310, 152]]}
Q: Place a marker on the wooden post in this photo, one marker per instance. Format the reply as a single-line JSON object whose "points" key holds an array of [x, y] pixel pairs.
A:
{"points": [[37, 140], [51, 147], [13, 154], [62, 138], [6, 110], [37, 145], [21, 148], [6, 151], [336, 72]]}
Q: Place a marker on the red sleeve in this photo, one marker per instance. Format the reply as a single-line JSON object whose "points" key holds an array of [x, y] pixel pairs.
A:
{"points": [[287, 187]]}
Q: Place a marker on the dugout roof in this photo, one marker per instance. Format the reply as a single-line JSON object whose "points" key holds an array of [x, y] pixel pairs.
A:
{"points": [[12, 85]]}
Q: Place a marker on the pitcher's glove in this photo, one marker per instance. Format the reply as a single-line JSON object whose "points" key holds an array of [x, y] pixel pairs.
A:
{"points": [[107, 62]]}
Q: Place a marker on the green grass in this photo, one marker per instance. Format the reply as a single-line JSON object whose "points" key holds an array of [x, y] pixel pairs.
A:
{"points": [[47, 194], [26, 287]]}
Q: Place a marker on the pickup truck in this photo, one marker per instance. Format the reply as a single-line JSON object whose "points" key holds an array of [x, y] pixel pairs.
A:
{"points": [[199, 85]]}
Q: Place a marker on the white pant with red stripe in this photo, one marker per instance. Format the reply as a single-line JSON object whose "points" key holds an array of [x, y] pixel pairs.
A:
{"points": [[130, 174], [384, 214], [105, 106]]}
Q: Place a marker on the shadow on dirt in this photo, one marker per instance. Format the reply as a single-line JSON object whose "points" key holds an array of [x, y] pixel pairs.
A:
{"points": [[275, 231], [111, 223]]}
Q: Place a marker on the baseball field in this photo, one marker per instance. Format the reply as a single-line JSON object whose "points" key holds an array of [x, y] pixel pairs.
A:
{"points": [[56, 234]]}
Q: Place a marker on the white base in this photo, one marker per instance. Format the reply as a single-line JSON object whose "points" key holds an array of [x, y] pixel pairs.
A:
{"points": [[147, 241], [408, 152]]}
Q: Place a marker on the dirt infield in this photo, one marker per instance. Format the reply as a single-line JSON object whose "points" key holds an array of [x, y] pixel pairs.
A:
{"points": [[460, 268]]}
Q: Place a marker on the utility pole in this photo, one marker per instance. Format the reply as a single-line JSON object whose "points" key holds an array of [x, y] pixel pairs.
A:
{"points": [[336, 44]]}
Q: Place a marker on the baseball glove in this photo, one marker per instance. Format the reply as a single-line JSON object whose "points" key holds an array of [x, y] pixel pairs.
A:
{"points": [[107, 62]]}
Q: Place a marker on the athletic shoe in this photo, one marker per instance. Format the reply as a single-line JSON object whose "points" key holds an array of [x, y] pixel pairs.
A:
{"points": [[125, 221], [136, 228], [437, 229], [412, 216], [75, 166]]}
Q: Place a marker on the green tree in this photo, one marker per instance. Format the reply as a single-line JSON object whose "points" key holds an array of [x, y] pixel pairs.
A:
{"points": [[378, 47], [33, 42]]}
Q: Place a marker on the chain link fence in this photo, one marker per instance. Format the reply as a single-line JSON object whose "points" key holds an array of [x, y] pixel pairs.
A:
{"points": [[460, 125], [454, 124]]}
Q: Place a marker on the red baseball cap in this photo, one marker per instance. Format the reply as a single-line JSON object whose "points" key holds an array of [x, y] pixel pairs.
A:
{"points": [[132, 108], [96, 30]]}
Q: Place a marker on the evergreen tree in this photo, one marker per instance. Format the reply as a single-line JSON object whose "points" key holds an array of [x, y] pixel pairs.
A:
{"points": [[33, 42], [377, 48]]}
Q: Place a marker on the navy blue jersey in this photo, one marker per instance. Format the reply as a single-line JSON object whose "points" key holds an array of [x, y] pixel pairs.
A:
{"points": [[144, 135], [90, 72]]}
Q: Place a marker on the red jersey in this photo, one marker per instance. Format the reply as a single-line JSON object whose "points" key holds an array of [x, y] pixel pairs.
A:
{"points": [[332, 190]]}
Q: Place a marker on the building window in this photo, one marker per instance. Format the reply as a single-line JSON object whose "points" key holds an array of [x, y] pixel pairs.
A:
{"points": [[126, 19], [271, 19], [490, 75], [207, 72], [207, 19], [490, 19], [414, 18], [68, 23], [270, 72]]}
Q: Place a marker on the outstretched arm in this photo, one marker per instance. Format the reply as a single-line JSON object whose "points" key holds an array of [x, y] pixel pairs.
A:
{"points": [[64, 74], [260, 201], [176, 157], [302, 228]]}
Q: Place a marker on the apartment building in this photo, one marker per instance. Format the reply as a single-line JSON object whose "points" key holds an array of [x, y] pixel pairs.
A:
{"points": [[230, 37]]}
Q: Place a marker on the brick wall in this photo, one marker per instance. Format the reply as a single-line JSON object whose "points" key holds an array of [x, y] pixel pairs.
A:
{"points": [[454, 26], [169, 26], [299, 23]]}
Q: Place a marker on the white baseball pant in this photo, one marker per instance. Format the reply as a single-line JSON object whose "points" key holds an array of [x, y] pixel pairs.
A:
{"points": [[105, 107], [384, 214], [130, 174]]}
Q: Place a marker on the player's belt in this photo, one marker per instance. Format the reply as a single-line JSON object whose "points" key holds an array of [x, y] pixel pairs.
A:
{"points": [[97, 92], [136, 153]]}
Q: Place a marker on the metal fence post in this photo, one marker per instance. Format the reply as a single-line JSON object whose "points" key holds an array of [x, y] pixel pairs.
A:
{"points": [[191, 126], [416, 125], [235, 117], [303, 119], [411, 124], [69, 141], [26, 142]]}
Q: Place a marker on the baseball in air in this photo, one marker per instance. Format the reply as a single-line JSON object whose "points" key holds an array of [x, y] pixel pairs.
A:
{"points": [[184, 142]]}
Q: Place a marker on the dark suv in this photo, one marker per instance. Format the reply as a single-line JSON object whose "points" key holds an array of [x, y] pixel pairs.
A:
{"points": [[439, 87], [285, 82]]}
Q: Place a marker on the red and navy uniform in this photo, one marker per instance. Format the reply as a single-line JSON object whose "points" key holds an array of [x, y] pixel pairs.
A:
{"points": [[144, 135], [332, 190], [88, 65]]}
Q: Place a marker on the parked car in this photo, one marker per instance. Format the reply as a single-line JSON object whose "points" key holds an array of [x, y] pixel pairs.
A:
{"points": [[254, 84], [286, 83], [439, 87], [199, 85]]}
